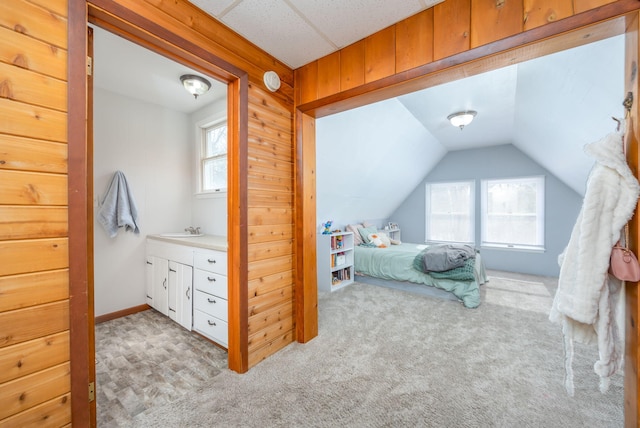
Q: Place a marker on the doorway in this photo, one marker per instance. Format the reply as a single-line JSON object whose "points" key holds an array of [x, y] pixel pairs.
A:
{"points": [[147, 126]]}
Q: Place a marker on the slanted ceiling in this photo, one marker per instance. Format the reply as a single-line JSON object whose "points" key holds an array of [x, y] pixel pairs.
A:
{"points": [[371, 158]]}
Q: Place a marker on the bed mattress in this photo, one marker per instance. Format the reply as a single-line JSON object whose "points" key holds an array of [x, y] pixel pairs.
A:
{"points": [[396, 263]]}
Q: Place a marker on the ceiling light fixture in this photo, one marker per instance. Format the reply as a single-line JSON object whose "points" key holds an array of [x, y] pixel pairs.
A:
{"points": [[196, 85], [462, 118]]}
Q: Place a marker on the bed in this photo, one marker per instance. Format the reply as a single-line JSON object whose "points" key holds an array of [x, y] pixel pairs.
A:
{"points": [[396, 263]]}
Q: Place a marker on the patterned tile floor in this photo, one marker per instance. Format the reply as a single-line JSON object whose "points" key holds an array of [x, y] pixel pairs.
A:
{"points": [[145, 360]]}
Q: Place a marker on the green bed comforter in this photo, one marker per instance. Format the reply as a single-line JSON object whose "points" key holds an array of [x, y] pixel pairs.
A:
{"points": [[396, 263]]}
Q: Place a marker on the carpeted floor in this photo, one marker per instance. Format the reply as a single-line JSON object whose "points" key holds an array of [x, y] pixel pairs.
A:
{"points": [[386, 358]]}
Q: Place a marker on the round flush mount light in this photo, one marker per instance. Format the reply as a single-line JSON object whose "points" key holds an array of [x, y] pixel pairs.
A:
{"points": [[195, 85], [462, 118], [271, 81]]}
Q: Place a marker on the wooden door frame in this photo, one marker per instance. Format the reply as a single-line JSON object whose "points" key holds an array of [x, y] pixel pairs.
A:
{"points": [[597, 24], [137, 29]]}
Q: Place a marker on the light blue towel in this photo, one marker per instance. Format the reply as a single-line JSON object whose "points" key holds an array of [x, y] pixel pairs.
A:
{"points": [[118, 209]]}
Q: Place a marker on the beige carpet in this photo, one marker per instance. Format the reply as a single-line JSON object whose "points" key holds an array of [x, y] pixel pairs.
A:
{"points": [[388, 358]]}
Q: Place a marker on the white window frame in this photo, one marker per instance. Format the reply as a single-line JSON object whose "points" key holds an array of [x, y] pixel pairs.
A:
{"points": [[539, 246], [201, 129], [472, 208]]}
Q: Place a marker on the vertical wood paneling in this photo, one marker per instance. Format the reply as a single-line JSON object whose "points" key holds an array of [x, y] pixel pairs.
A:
{"points": [[540, 12], [414, 41], [329, 75], [451, 28], [306, 291], [580, 6], [352, 66], [34, 280], [493, 20], [307, 90], [379, 54]]}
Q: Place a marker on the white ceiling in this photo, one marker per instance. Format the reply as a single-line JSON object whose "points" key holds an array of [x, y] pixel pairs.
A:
{"points": [[133, 71], [300, 31]]}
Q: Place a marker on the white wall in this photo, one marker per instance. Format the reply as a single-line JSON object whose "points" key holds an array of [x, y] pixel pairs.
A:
{"points": [[209, 211], [151, 146]]}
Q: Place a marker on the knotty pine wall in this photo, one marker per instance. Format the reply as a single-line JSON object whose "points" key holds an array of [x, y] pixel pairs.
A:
{"points": [[34, 274], [448, 28]]}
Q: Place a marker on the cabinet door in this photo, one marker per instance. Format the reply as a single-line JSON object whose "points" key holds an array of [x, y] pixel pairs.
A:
{"points": [[172, 289], [149, 280], [184, 296], [161, 285]]}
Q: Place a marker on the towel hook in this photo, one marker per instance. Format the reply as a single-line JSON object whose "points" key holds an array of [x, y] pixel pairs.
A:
{"points": [[628, 102]]}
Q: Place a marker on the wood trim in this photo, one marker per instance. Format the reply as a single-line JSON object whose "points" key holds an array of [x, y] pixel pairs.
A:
{"points": [[631, 367], [90, 222], [78, 203], [131, 25], [306, 287], [122, 313], [238, 267]]}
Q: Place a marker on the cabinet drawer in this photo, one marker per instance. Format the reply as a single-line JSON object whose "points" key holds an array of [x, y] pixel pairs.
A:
{"points": [[211, 283], [212, 261], [211, 305], [212, 327]]}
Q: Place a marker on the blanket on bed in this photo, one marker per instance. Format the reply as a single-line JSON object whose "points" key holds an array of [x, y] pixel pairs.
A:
{"points": [[396, 263]]}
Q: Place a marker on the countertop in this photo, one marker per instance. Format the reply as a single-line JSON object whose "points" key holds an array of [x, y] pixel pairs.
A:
{"points": [[210, 242]]}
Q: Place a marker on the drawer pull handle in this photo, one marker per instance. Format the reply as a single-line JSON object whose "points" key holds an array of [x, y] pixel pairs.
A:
{"points": [[211, 279], [211, 322], [164, 283], [211, 301], [211, 260], [172, 270], [149, 263], [188, 290]]}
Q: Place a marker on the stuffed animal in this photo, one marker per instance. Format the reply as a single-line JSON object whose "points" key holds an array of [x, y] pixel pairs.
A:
{"points": [[380, 240], [327, 227]]}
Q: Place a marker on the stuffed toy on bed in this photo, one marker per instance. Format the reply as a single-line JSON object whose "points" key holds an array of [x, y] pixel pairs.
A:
{"points": [[379, 239]]}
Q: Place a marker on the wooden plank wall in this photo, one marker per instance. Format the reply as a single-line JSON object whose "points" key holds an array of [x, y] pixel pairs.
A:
{"points": [[34, 277], [271, 255], [449, 28]]}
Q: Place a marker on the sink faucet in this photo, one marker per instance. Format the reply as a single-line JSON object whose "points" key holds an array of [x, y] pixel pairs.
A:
{"points": [[193, 230]]}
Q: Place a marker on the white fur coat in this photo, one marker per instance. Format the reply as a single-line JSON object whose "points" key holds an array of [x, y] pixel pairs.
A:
{"points": [[585, 303]]}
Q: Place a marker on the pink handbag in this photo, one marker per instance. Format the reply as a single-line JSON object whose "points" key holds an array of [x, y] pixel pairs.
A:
{"points": [[624, 264]]}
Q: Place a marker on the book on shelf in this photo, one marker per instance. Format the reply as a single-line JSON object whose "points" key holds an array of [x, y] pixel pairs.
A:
{"points": [[340, 275]]}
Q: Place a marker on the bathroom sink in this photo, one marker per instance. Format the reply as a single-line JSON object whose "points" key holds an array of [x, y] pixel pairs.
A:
{"points": [[181, 235]]}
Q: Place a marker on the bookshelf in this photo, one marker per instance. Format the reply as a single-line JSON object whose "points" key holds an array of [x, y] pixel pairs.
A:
{"points": [[335, 260]]}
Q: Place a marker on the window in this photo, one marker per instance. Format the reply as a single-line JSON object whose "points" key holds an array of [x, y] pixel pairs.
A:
{"points": [[513, 213], [450, 212], [213, 158]]}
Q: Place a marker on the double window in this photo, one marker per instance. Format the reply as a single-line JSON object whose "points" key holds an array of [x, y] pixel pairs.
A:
{"points": [[511, 214]]}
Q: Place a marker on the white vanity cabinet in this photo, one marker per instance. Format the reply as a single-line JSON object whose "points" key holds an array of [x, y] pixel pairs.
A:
{"points": [[210, 308]]}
